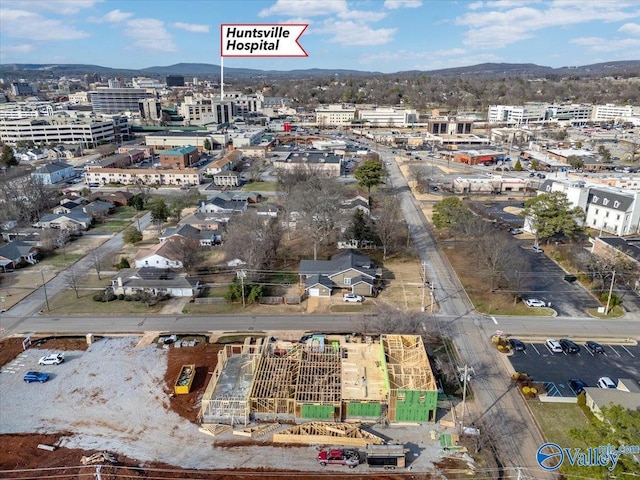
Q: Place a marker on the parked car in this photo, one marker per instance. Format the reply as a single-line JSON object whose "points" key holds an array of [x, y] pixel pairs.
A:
{"points": [[31, 377], [350, 297], [553, 345], [568, 346], [515, 231], [577, 385], [594, 347], [339, 456], [534, 302], [517, 345], [537, 249], [606, 382], [52, 359]]}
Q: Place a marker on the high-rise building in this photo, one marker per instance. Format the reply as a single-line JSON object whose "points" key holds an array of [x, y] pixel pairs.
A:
{"points": [[175, 80]]}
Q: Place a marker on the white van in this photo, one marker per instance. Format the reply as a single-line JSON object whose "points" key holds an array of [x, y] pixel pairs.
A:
{"points": [[554, 345]]}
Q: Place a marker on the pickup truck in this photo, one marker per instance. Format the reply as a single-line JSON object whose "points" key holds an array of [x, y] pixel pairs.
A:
{"points": [[339, 456]]}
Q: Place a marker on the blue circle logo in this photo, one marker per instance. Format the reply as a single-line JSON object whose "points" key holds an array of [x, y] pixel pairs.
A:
{"points": [[550, 456]]}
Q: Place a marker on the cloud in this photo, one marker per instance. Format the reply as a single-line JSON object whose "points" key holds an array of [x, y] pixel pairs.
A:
{"points": [[396, 4], [150, 34], [362, 16], [497, 28], [598, 44], [31, 26], [305, 8], [114, 16], [191, 27], [630, 28], [63, 7], [23, 48], [351, 33]]}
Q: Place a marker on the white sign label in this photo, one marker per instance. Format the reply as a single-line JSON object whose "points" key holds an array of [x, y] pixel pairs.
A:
{"points": [[261, 40]]}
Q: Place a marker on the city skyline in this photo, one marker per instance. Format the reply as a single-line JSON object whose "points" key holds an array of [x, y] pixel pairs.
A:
{"points": [[385, 36]]}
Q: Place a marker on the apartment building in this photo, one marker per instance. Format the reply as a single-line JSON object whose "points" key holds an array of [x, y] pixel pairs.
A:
{"points": [[147, 176], [179, 158], [86, 132], [336, 114], [118, 100], [608, 209]]}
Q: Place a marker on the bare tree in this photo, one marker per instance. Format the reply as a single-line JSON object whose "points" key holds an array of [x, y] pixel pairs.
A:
{"points": [[388, 223], [96, 261], [62, 239], [72, 280], [187, 250], [495, 252], [252, 238]]}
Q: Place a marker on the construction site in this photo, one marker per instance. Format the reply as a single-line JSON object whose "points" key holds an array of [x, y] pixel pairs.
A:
{"points": [[325, 378]]}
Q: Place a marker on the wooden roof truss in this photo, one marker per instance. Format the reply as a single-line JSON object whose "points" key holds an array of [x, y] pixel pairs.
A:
{"points": [[407, 363]]}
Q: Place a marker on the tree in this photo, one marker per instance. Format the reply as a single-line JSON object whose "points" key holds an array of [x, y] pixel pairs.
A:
{"points": [[575, 161], [7, 157], [132, 235], [518, 166], [123, 263], [96, 261], [602, 268], [388, 223], [159, 213], [253, 238], [604, 153], [551, 214], [360, 228], [137, 202], [619, 427], [72, 280], [186, 250], [207, 144], [495, 251], [369, 174], [449, 212]]}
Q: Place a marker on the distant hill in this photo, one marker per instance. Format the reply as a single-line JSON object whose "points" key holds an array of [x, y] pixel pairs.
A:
{"points": [[487, 70]]}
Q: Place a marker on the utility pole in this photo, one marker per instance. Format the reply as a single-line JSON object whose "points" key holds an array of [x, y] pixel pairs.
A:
{"points": [[613, 277], [44, 287], [465, 377], [432, 287], [424, 284]]}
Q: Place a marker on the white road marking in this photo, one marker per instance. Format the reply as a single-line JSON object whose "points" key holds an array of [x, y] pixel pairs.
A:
{"points": [[494, 320], [626, 350], [534, 347], [614, 351]]}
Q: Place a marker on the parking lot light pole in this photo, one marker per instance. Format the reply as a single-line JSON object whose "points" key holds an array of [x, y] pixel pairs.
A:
{"points": [[613, 277]]}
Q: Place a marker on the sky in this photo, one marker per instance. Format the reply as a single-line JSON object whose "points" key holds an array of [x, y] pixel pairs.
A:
{"points": [[369, 35]]}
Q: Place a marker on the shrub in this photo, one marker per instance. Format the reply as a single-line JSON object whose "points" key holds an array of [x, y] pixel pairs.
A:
{"points": [[127, 298], [124, 263], [121, 296], [98, 297]]}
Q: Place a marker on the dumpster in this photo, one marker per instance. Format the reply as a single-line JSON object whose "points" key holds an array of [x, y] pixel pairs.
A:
{"points": [[185, 379]]}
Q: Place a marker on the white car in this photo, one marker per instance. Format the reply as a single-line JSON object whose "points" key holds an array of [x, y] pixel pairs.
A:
{"points": [[534, 302], [606, 382], [553, 345], [52, 359], [350, 297], [537, 249]]}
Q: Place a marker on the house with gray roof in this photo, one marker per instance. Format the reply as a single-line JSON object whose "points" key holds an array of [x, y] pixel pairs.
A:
{"points": [[97, 208], [626, 394], [53, 173], [206, 238], [155, 281], [348, 270], [15, 252], [219, 204], [74, 221]]}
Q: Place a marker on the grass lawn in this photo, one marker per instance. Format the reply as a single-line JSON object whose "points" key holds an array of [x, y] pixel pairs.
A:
{"points": [[67, 304], [556, 419], [614, 312], [60, 261], [110, 226], [260, 187], [126, 213]]}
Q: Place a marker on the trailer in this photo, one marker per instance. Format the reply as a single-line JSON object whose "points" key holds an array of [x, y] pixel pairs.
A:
{"points": [[185, 379], [388, 457]]}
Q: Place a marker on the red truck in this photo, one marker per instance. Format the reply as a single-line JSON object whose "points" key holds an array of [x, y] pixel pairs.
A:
{"points": [[339, 456]]}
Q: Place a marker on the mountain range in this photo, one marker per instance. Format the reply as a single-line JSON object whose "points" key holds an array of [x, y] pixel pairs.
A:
{"points": [[486, 70]]}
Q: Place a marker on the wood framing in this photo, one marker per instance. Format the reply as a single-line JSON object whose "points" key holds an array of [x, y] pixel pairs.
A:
{"points": [[326, 433]]}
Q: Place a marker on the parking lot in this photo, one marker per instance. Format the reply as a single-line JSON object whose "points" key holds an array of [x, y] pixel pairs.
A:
{"points": [[555, 369]]}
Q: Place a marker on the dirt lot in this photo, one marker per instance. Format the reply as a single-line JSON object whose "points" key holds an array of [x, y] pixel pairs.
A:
{"points": [[116, 396]]}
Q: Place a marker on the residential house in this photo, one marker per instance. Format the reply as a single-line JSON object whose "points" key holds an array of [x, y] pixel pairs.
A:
{"points": [[73, 221], [223, 205], [162, 255], [226, 179], [15, 252], [98, 208], [32, 155], [66, 207], [206, 238], [226, 163], [358, 202], [349, 269], [119, 198], [156, 281], [626, 394], [205, 221], [53, 173]]}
